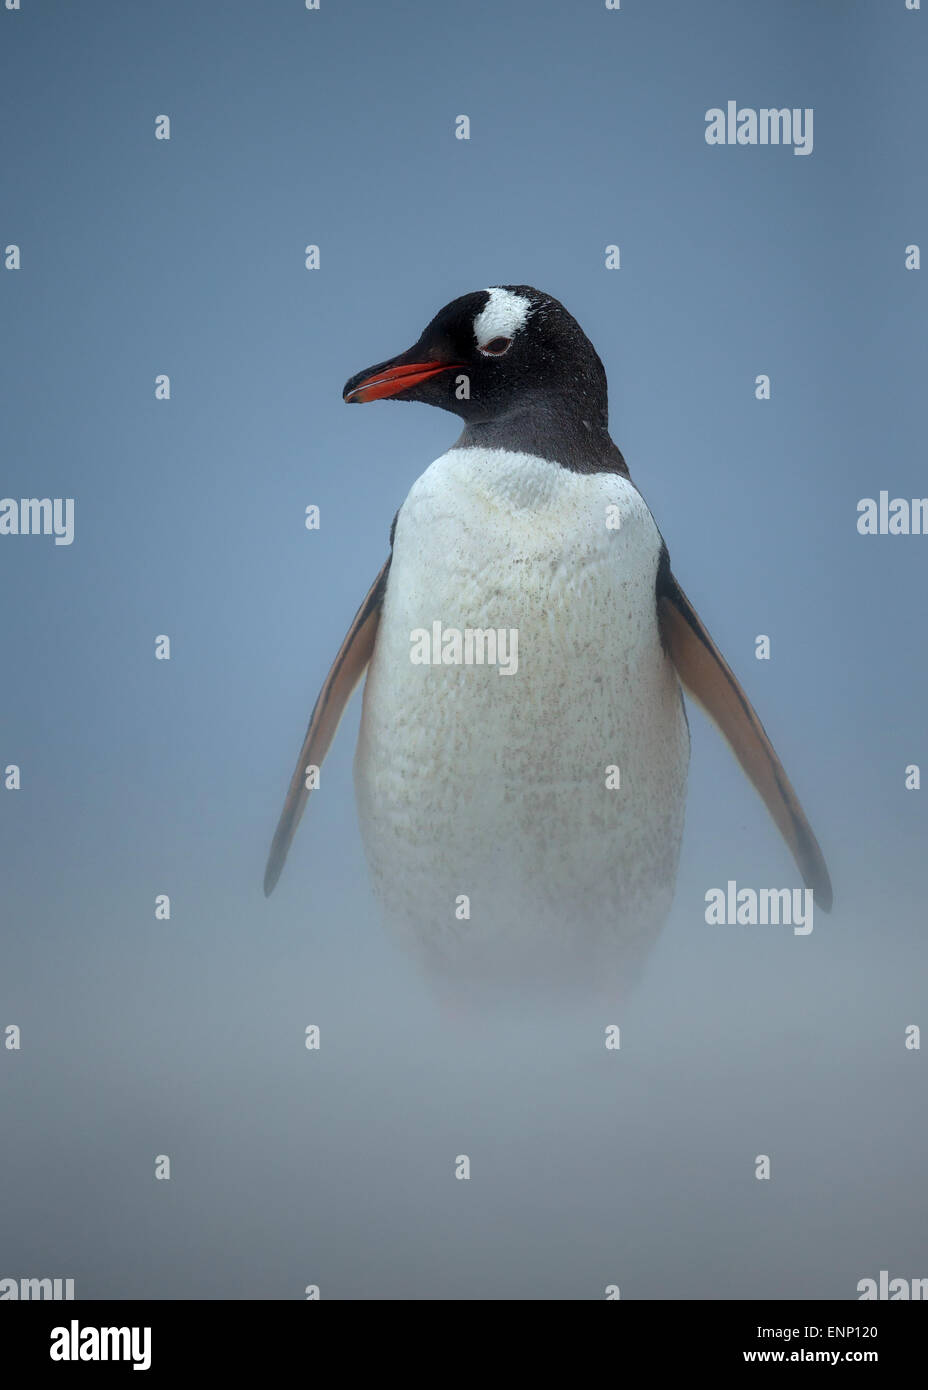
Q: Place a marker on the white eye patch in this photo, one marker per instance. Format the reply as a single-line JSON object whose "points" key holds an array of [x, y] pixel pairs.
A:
{"points": [[505, 313]]}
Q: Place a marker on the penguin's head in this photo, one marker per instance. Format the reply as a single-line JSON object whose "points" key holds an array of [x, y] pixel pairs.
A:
{"points": [[493, 354]]}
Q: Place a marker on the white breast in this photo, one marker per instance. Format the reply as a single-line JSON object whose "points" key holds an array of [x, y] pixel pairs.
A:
{"points": [[493, 787]]}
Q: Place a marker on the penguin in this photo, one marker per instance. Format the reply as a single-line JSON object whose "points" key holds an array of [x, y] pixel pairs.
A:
{"points": [[522, 810]]}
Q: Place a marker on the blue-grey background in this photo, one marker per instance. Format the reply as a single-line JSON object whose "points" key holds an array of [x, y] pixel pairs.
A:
{"points": [[140, 777]]}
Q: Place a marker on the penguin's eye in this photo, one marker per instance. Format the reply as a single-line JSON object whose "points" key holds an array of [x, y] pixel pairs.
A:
{"points": [[495, 347]]}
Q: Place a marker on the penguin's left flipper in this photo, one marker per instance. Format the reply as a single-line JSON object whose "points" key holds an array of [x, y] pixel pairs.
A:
{"points": [[347, 669], [709, 679]]}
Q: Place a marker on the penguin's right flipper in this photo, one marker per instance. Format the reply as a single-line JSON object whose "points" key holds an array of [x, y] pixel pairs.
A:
{"points": [[347, 669]]}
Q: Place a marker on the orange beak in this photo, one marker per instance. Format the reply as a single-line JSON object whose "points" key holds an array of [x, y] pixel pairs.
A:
{"points": [[390, 379]]}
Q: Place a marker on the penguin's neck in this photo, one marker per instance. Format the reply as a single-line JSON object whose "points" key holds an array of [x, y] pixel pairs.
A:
{"points": [[575, 439]]}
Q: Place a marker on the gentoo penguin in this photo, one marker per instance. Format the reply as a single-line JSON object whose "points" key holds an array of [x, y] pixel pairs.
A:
{"points": [[521, 792]]}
